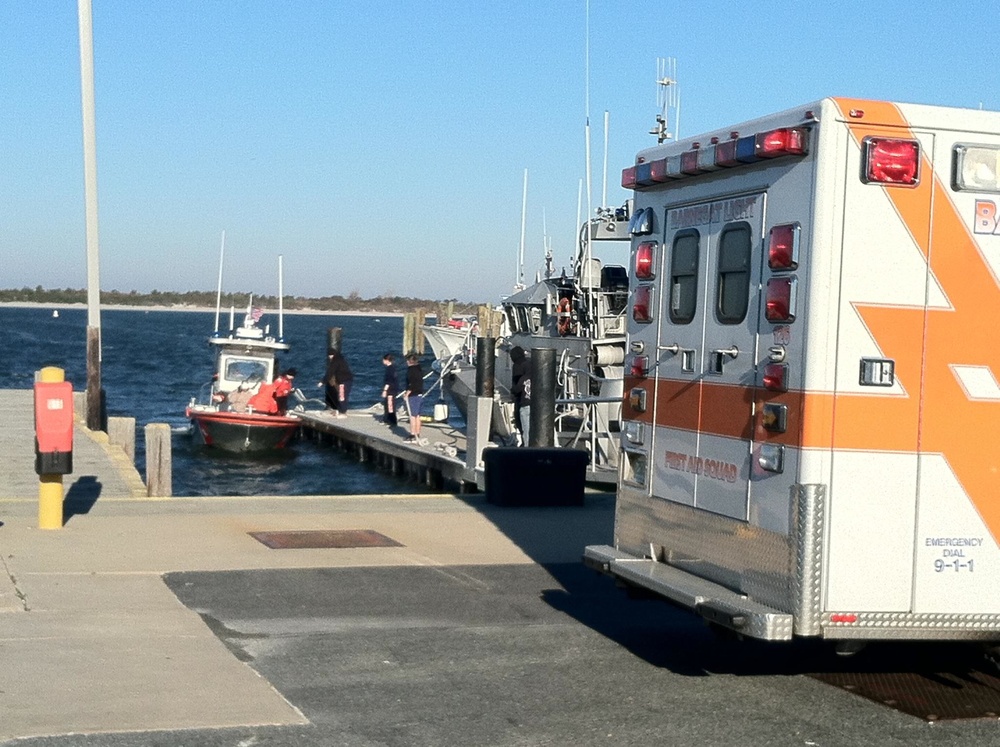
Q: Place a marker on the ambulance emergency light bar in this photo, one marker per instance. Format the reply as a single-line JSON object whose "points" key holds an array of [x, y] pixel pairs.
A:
{"points": [[737, 151]]}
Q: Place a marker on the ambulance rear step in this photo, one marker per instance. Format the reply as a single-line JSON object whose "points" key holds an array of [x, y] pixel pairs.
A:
{"points": [[715, 603]]}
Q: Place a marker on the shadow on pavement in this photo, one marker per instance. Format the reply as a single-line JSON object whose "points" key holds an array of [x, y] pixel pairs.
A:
{"points": [[81, 496]]}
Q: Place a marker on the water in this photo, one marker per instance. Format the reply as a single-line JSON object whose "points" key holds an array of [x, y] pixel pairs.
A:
{"points": [[154, 362]]}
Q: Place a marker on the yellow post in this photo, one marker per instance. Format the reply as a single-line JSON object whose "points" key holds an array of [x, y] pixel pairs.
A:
{"points": [[50, 487]]}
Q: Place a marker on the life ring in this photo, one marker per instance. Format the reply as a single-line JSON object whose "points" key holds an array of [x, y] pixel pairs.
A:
{"points": [[565, 316]]}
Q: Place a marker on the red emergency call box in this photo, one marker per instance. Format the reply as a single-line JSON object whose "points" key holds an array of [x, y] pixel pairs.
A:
{"points": [[53, 428]]}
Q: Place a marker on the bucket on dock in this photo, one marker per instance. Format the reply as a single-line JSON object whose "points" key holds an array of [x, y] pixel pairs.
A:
{"points": [[441, 412]]}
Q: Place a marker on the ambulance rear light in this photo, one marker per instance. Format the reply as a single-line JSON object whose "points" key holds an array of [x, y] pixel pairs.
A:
{"points": [[642, 304], [628, 178], [783, 247], [706, 159], [889, 161], [977, 168], [781, 142], [635, 432], [644, 257], [637, 399], [640, 366], [771, 458], [776, 377], [689, 163], [725, 154], [779, 302]]}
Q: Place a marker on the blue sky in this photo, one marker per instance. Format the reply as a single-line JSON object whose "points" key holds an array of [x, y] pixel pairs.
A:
{"points": [[380, 146]]}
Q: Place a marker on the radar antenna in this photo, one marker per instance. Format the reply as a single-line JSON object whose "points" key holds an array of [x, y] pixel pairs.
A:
{"points": [[668, 98]]}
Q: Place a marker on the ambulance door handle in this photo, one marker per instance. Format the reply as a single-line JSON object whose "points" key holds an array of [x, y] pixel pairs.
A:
{"points": [[672, 349], [717, 360], [731, 352]]}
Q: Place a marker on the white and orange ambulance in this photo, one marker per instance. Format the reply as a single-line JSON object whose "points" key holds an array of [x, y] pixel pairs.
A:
{"points": [[811, 426]]}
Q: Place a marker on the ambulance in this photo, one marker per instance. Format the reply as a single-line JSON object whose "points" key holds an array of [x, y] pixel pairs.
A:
{"points": [[810, 442]]}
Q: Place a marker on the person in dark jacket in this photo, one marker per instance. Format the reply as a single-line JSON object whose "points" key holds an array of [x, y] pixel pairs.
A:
{"points": [[520, 374], [414, 394], [337, 379], [390, 388]]}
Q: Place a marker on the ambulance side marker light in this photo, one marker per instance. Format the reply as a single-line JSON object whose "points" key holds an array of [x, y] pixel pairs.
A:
{"points": [[637, 399], [889, 161], [642, 304], [771, 458], [644, 256], [628, 177], [843, 617], [779, 303], [776, 377], [782, 142], [783, 247]]}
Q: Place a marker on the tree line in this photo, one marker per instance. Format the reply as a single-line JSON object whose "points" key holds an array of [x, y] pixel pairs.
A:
{"points": [[352, 302]]}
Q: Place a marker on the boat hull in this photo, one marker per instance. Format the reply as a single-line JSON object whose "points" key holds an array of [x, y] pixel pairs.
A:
{"points": [[243, 432]]}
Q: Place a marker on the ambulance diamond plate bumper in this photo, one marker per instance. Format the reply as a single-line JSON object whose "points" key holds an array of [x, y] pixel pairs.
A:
{"points": [[713, 602]]}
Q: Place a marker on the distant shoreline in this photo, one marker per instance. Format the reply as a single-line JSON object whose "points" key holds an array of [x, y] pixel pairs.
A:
{"points": [[184, 308]]}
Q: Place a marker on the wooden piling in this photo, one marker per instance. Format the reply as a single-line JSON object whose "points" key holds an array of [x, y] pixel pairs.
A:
{"points": [[121, 432], [159, 461]]}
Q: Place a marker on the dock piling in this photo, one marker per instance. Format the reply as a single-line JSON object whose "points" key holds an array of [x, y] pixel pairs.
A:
{"points": [[543, 398], [121, 432], [159, 461]]}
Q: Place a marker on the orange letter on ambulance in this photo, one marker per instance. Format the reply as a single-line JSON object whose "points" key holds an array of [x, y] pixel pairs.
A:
{"points": [[986, 217]]}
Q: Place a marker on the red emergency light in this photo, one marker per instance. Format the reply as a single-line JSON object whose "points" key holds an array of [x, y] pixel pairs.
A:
{"points": [[843, 617], [781, 142], [725, 154], [644, 256], [640, 366], [642, 305], [628, 178], [779, 303], [783, 247], [889, 161], [776, 377], [689, 163]]}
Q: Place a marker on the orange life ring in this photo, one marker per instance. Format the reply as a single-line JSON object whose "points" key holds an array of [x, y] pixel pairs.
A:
{"points": [[565, 316]]}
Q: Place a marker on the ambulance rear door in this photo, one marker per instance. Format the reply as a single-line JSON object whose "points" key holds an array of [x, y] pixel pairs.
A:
{"points": [[706, 355]]}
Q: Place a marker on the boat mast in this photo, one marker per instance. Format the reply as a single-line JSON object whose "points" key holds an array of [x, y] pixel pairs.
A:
{"points": [[281, 300], [519, 285], [218, 288]]}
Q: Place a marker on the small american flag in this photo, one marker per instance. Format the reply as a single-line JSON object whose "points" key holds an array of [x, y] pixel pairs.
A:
{"points": [[256, 313]]}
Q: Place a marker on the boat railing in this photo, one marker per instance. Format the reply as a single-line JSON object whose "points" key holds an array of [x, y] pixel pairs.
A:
{"points": [[577, 423]]}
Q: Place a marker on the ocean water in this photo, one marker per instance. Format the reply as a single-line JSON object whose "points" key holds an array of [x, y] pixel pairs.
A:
{"points": [[154, 362]]}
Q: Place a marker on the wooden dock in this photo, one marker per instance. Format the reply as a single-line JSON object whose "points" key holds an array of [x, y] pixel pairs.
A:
{"points": [[99, 468], [437, 461]]}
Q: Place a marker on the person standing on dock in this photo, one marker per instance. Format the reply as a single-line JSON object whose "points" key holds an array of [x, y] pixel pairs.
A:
{"points": [[390, 389], [338, 380], [284, 384], [414, 394]]}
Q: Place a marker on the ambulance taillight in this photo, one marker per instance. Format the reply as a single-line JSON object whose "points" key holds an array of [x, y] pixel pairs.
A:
{"points": [[889, 161], [640, 366], [628, 178], [775, 377], [642, 305], [644, 255], [779, 303], [783, 247]]}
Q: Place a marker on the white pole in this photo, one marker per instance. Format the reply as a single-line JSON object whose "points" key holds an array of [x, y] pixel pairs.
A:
{"points": [[579, 219], [281, 299], [524, 212], [218, 286], [604, 189], [90, 162]]}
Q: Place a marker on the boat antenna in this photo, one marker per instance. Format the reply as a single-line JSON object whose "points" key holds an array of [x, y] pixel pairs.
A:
{"points": [[547, 246], [218, 289], [520, 255], [281, 299], [668, 98], [604, 189], [585, 260]]}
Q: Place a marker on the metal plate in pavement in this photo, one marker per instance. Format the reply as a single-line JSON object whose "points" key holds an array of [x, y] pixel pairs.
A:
{"points": [[323, 539]]}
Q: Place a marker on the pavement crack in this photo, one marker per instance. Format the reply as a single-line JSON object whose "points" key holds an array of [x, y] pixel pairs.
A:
{"points": [[17, 589], [230, 637]]}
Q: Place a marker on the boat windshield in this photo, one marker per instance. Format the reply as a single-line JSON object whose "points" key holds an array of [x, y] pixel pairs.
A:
{"points": [[238, 370]]}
